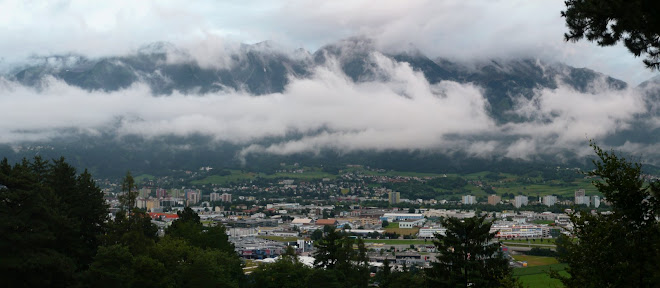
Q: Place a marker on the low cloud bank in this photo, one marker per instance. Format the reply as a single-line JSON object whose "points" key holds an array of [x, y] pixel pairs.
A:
{"points": [[330, 111]]}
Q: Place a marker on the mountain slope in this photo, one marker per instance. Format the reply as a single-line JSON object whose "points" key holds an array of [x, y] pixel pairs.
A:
{"points": [[262, 69]]}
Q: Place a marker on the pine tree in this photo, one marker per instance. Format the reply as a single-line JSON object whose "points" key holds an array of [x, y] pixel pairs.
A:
{"points": [[346, 258], [468, 256], [51, 222], [129, 193]]}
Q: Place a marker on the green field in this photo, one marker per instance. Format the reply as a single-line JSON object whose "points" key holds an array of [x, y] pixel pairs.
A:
{"points": [[240, 176], [235, 176], [393, 225], [554, 187], [307, 175], [393, 173], [533, 261], [538, 277], [510, 183], [143, 178]]}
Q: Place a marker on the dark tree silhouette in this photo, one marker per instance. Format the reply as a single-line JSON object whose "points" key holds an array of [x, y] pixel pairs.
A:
{"points": [[618, 249], [468, 256], [607, 22]]}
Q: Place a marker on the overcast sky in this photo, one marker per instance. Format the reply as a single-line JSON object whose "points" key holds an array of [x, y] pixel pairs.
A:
{"points": [[452, 29]]}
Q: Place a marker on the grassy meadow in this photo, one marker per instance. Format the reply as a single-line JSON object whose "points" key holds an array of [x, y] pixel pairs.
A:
{"points": [[538, 277]]}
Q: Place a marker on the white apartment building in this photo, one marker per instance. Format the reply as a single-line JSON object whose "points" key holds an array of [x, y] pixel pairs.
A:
{"points": [[469, 200], [549, 200], [583, 200], [411, 223], [520, 200], [429, 232], [520, 230]]}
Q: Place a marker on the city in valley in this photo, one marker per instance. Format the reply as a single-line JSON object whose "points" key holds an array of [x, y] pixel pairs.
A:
{"points": [[263, 214]]}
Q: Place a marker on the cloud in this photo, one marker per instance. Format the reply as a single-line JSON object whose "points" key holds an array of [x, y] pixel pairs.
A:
{"points": [[400, 111], [572, 115], [356, 115], [453, 29]]}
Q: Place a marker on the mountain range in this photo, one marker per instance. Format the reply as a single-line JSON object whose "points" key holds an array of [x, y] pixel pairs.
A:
{"points": [[264, 68]]}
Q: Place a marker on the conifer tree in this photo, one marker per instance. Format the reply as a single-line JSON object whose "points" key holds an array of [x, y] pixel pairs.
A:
{"points": [[468, 256]]}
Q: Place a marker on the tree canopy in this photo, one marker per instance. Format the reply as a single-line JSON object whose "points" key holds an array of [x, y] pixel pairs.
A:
{"points": [[336, 252], [52, 219], [56, 233], [635, 22], [468, 256], [619, 249]]}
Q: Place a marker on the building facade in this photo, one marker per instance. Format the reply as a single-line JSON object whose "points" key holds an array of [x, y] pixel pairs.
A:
{"points": [[401, 216], [520, 200], [549, 200], [393, 197], [429, 232], [579, 197], [494, 199], [469, 200], [582, 200]]}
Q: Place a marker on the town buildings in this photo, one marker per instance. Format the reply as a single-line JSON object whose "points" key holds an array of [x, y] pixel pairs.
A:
{"points": [[516, 230], [520, 200], [192, 196], [468, 200], [494, 199], [429, 232], [581, 198], [549, 200], [392, 217], [394, 197]]}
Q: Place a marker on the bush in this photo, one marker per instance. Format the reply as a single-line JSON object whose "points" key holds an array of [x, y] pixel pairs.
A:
{"points": [[541, 252]]}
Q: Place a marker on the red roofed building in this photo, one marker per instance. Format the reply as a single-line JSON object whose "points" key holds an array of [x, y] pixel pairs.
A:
{"points": [[325, 222], [164, 216]]}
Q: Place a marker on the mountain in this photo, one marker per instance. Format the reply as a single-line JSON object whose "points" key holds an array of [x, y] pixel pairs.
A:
{"points": [[254, 68], [265, 68], [262, 69]]}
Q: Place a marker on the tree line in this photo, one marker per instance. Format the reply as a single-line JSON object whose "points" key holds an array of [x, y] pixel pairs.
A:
{"points": [[57, 232]]}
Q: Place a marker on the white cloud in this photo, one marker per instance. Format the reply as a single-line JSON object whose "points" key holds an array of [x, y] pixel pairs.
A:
{"points": [[454, 29], [571, 116], [329, 111]]}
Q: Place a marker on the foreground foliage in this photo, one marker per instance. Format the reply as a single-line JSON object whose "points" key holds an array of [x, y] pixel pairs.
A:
{"points": [[607, 22], [468, 255], [618, 249], [51, 220], [56, 233]]}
